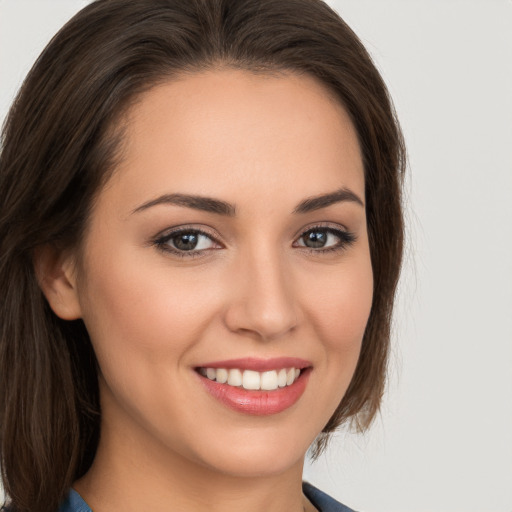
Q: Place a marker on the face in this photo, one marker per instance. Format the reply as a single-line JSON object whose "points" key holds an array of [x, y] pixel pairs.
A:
{"points": [[230, 243]]}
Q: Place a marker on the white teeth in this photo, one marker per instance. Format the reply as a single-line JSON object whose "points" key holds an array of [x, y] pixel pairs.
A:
{"points": [[235, 377], [281, 378], [252, 380], [269, 380], [222, 375]]}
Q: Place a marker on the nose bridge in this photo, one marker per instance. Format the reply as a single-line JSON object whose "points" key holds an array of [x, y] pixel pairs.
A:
{"points": [[264, 301]]}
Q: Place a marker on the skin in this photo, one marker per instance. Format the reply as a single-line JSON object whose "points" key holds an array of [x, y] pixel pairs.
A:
{"points": [[264, 144]]}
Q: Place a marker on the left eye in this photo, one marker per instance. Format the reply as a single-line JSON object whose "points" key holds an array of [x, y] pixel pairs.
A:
{"points": [[324, 238]]}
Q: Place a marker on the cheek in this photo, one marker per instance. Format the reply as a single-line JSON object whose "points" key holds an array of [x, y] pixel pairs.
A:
{"points": [[341, 305], [338, 314], [145, 323], [143, 313]]}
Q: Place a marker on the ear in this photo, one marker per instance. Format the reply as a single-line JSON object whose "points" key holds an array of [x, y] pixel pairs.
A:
{"points": [[56, 274]]}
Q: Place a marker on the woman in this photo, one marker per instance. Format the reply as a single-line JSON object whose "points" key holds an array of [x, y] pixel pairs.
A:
{"points": [[201, 237]]}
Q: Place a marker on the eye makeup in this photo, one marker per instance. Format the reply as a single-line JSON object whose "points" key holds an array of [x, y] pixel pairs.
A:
{"points": [[192, 242], [325, 239], [186, 242]]}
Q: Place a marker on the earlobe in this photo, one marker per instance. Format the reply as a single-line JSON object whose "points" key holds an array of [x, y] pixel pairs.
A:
{"points": [[56, 275]]}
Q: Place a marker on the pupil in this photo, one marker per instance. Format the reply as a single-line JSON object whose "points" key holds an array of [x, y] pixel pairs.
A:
{"points": [[315, 239], [185, 242]]}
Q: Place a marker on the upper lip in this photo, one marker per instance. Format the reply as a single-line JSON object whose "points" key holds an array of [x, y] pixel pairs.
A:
{"points": [[259, 365]]}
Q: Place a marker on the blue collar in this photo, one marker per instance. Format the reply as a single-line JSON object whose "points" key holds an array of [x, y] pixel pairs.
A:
{"points": [[322, 502]]}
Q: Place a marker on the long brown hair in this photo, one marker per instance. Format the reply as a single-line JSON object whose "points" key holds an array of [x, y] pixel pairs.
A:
{"points": [[59, 147]]}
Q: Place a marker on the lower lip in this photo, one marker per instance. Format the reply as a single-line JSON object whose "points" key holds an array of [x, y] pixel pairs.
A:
{"points": [[257, 403]]}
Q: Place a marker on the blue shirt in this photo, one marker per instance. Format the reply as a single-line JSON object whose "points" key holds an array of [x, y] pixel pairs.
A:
{"points": [[321, 501]]}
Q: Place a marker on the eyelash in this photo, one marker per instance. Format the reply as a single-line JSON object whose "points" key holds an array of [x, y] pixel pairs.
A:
{"points": [[346, 239]]}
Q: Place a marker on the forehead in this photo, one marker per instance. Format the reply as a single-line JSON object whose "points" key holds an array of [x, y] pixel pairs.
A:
{"points": [[214, 132]]}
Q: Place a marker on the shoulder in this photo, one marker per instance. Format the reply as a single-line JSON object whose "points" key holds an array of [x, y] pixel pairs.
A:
{"points": [[74, 503], [323, 502]]}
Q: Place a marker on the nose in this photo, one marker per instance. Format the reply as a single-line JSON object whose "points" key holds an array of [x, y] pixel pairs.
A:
{"points": [[263, 303]]}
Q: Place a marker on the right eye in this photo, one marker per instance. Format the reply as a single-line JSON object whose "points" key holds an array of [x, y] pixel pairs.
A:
{"points": [[186, 242]]}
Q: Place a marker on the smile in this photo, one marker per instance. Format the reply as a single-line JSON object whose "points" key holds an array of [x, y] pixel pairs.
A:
{"points": [[252, 380], [256, 386]]}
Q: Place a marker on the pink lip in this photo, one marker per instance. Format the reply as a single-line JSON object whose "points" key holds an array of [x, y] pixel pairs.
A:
{"points": [[259, 365], [258, 403]]}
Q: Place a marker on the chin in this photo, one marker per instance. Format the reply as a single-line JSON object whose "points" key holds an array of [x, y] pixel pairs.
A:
{"points": [[259, 454], [257, 464]]}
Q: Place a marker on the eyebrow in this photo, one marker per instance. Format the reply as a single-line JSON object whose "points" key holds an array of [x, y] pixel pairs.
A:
{"points": [[323, 201], [208, 204]]}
